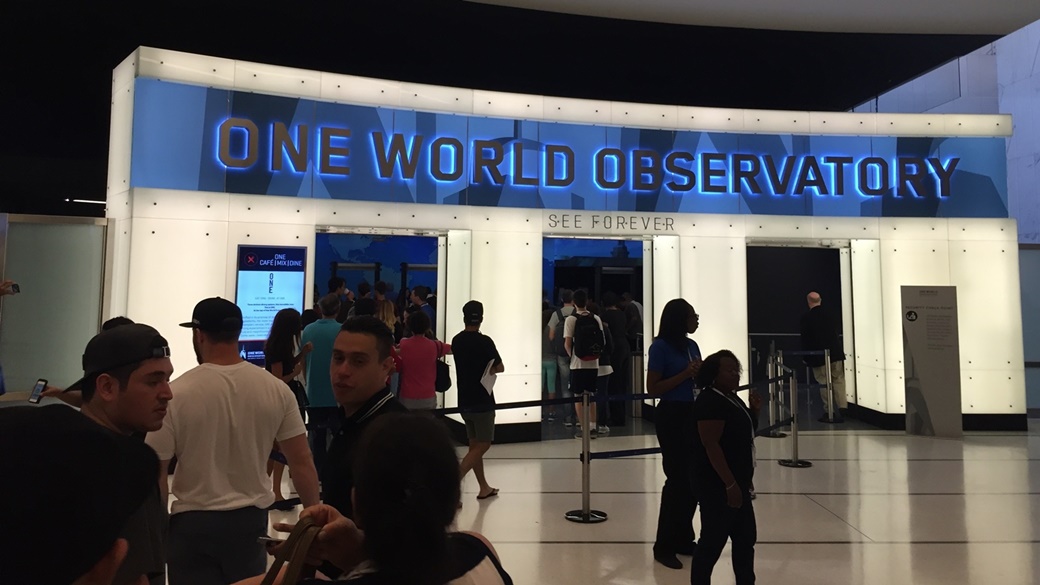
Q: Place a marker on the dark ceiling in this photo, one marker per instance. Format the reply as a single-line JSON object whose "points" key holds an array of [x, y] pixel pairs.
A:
{"points": [[57, 67]]}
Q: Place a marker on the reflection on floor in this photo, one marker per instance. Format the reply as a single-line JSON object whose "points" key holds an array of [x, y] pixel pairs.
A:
{"points": [[875, 508]]}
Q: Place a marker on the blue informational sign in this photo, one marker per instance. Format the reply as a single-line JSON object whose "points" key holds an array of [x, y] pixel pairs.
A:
{"points": [[205, 139], [270, 278]]}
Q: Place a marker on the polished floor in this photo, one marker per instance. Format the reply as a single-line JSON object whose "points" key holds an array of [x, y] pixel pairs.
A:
{"points": [[875, 508]]}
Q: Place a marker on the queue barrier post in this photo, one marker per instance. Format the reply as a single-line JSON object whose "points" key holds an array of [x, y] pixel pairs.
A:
{"points": [[586, 515], [774, 402], [794, 461]]}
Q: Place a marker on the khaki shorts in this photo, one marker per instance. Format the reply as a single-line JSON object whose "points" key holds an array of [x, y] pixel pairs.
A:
{"points": [[480, 426]]}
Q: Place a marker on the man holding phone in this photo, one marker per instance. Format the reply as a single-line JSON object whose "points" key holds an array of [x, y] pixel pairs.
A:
{"points": [[126, 389]]}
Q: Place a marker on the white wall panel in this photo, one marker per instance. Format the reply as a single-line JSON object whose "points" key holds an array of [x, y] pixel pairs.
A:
{"points": [[848, 320], [989, 315], [270, 209], [436, 98], [710, 119], [360, 90], [457, 292], [867, 321], [667, 274], [714, 281], [714, 225], [119, 142], [512, 313], [845, 228], [168, 204], [776, 121], [643, 115], [778, 226], [914, 228], [117, 268], [186, 67], [507, 105], [911, 124], [852, 124], [993, 391], [576, 110], [275, 80], [989, 229], [173, 265], [978, 125], [903, 263], [125, 73]]}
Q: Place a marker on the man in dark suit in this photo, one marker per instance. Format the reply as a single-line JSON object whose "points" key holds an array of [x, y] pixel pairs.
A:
{"points": [[819, 333]]}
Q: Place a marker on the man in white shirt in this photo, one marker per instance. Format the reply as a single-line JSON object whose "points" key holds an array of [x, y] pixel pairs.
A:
{"points": [[584, 371], [226, 416]]}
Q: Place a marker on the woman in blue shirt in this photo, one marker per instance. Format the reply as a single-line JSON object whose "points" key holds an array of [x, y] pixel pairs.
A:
{"points": [[673, 362]]}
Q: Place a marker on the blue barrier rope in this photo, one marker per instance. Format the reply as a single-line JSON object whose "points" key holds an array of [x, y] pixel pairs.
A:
{"points": [[656, 450]]}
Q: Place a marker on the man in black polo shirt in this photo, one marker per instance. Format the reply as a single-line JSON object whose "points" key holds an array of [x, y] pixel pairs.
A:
{"points": [[473, 352], [361, 363]]}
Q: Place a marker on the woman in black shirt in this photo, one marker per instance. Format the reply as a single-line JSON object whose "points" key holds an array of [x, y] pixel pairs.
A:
{"points": [[724, 464], [282, 360]]}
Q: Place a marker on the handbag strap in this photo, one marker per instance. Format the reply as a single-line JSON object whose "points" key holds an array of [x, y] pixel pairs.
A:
{"points": [[294, 551]]}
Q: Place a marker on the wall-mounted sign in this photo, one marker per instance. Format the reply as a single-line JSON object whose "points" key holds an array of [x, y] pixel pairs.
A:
{"points": [[205, 139], [270, 278]]}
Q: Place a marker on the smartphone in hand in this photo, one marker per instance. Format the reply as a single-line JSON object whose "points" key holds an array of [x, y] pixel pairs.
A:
{"points": [[37, 392]]}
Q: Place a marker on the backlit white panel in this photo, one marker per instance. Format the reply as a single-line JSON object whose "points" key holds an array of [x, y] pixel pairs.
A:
{"points": [[117, 205], [117, 268], [852, 124], [989, 229], [173, 265], [442, 283], [360, 90], [457, 292], [847, 320], [867, 320], [169, 204], [275, 80], [268, 234], [650, 308], [774, 121], [513, 220], [911, 124], [778, 226], [120, 139], [269, 209], [186, 67], [512, 313], [845, 228], [646, 115], [667, 274], [714, 225], [895, 387], [712, 270], [576, 110], [992, 391], [436, 98], [507, 105], [978, 125], [903, 263], [989, 315], [710, 119], [914, 228], [126, 71]]}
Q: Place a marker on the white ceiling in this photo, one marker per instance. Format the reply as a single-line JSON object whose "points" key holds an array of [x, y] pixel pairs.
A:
{"points": [[861, 16]]}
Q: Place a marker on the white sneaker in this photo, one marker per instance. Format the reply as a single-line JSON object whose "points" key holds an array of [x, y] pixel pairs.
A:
{"points": [[603, 429]]}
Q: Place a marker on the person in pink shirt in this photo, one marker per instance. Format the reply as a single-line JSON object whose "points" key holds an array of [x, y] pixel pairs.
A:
{"points": [[418, 357]]}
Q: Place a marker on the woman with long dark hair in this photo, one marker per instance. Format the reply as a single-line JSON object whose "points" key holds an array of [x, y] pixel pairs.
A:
{"points": [[724, 464], [283, 358], [406, 495], [418, 366], [674, 360]]}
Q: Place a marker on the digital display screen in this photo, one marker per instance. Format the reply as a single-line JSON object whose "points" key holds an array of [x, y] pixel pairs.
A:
{"points": [[270, 278]]}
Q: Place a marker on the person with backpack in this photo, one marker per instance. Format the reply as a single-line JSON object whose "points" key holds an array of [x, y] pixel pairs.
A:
{"points": [[563, 359], [585, 342]]}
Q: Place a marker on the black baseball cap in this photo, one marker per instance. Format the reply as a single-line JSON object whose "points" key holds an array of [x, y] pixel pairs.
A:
{"points": [[473, 313], [216, 315], [118, 347], [72, 488]]}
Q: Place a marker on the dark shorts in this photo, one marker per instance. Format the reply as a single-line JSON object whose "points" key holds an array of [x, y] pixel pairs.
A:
{"points": [[480, 426]]}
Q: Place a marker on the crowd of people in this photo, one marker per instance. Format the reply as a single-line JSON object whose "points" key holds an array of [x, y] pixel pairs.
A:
{"points": [[370, 466]]}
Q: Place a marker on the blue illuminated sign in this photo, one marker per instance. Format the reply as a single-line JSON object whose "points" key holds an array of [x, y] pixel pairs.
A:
{"points": [[252, 143]]}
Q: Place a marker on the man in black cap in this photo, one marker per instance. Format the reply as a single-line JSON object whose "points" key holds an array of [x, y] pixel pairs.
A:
{"points": [[70, 487], [126, 389], [226, 416], [476, 355]]}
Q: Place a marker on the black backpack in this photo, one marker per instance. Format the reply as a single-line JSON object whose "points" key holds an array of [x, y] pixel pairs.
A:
{"points": [[557, 341], [588, 342]]}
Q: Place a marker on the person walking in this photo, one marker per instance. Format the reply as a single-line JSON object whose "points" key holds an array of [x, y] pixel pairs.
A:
{"points": [[418, 364], [674, 360], [284, 357], [322, 413], [818, 332], [549, 367]]}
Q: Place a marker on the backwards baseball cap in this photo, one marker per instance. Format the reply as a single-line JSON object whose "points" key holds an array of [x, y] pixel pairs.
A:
{"points": [[473, 313], [216, 315], [72, 488], [118, 347]]}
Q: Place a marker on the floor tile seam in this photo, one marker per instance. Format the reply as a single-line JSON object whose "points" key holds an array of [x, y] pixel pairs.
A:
{"points": [[761, 493], [784, 542], [831, 512], [657, 458]]}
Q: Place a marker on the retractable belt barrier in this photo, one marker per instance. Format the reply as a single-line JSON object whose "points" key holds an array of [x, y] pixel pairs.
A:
{"points": [[826, 353]]}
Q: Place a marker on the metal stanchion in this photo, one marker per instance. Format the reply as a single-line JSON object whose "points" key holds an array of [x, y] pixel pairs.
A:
{"points": [[794, 461], [830, 388], [772, 371], [586, 515]]}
